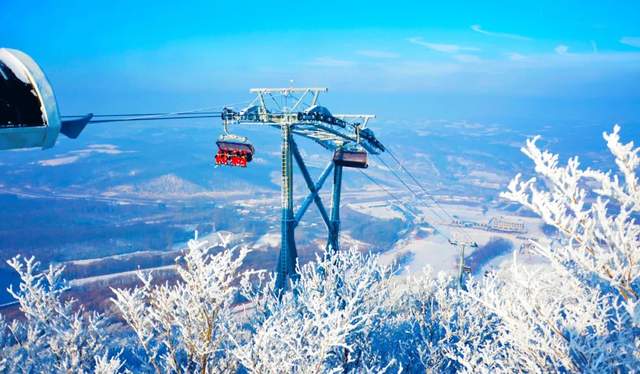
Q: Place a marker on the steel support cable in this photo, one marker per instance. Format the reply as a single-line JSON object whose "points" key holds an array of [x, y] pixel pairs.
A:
{"points": [[407, 186], [130, 119], [393, 196], [142, 114], [396, 175], [433, 211], [200, 111], [393, 156]]}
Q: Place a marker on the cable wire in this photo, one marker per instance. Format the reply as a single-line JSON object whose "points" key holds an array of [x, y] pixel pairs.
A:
{"points": [[439, 229], [199, 111], [453, 229], [137, 114], [142, 118], [393, 196], [425, 191], [396, 175], [407, 186]]}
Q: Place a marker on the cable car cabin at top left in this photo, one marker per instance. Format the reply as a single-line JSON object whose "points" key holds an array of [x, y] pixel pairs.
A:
{"points": [[29, 114]]}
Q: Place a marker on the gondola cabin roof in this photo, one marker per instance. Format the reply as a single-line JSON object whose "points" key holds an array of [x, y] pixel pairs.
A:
{"points": [[29, 114]]}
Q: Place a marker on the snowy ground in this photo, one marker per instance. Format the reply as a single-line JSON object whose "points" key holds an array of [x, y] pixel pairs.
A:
{"points": [[378, 209], [435, 250]]}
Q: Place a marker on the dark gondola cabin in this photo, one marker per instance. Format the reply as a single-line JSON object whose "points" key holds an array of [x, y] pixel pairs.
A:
{"points": [[351, 158]]}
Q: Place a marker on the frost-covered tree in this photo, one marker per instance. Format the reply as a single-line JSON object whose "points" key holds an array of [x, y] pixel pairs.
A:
{"points": [[55, 335], [578, 313], [186, 327], [550, 322], [596, 214], [437, 327], [325, 323], [581, 313]]}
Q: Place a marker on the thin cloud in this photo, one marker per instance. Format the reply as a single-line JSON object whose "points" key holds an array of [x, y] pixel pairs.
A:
{"points": [[467, 58], [561, 49], [439, 47], [377, 54], [478, 28], [633, 41], [331, 62], [515, 56]]}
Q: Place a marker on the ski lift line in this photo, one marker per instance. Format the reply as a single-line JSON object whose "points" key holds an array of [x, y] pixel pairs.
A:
{"points": [[416, 181], [397, 176], [214, 110], [10, 303], [433, 211], [130, 119], [438, 216], [136, 114], [425, 190], [393, 196]]}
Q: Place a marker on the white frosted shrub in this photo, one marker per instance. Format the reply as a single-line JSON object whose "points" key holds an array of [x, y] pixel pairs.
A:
{"points": [[55, 335]]}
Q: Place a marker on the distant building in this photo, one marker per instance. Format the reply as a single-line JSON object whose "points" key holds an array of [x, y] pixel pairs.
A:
{"points": [[502, 224], [495, 224]]}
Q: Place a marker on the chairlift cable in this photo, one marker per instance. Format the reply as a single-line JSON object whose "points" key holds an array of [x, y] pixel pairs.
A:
{"points": [[143, 118], [425, 190], [137, 114], [200, 111], [393, 196], [383, 188], [433, 211]]}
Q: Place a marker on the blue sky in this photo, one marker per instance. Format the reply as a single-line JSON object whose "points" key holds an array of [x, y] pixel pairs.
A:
{"points": [[566, 59]]}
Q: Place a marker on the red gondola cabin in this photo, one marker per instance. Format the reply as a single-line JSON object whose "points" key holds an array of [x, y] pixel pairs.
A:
{"points": [[234, 152]]}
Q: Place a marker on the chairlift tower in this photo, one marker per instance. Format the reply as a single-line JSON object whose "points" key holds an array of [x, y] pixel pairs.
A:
{"points": [[295, 111], [462, 268]]}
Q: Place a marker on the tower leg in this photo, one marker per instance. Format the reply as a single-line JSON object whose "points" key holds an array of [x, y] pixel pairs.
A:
{"points": [[461, 268], [334, 229], [286, 266]]}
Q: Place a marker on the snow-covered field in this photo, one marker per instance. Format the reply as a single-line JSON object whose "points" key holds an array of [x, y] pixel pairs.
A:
{"points": [[435, 250], [377, 209]]}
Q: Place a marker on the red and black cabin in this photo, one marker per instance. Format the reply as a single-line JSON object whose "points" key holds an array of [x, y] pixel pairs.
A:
{"points": [[234, 153]]}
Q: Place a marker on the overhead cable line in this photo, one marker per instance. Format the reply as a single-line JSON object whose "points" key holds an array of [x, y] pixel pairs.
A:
{"points": [[383, 188], [140, 114], [143, 118], [396, 175], [213, 111], [393, 196], [407, 185], [432, 223], [433, 211], [425, 190]]}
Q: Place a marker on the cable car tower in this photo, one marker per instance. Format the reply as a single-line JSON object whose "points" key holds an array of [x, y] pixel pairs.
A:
{"points": [[295, 111]]}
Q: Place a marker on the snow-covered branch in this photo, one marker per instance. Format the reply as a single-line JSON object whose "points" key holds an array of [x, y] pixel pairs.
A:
{"points": [[186, 327], [55, 335]]}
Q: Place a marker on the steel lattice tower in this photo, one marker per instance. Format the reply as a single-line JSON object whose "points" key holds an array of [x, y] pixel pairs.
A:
{"points": [[308, 119]]}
